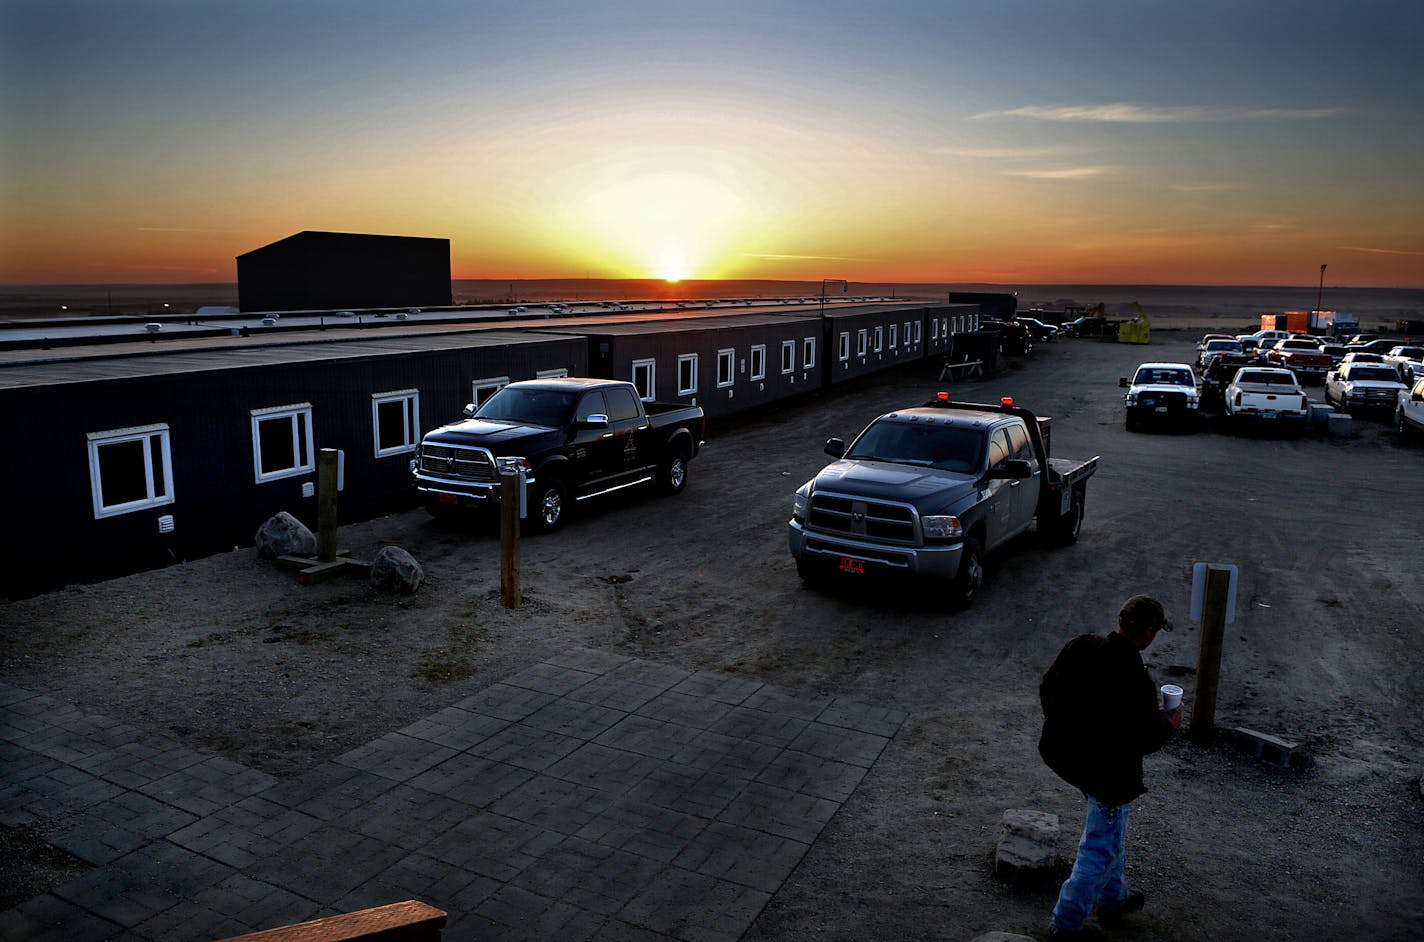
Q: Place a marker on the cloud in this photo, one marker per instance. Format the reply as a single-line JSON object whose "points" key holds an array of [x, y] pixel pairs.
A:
{"points": [[1374, 251], [1124, 113], [1009, 153], [1205, 187], [181, 229], [1065, 173], [795, 258]]}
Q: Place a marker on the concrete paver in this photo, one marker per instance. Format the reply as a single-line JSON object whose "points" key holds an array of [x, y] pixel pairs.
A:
{"points": [[591, 796]]}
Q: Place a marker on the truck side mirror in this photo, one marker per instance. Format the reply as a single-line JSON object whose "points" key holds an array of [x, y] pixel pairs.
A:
{"points": [[1122, 381], [1011, 469], [596, 420], [835, 447], [469, 410]]}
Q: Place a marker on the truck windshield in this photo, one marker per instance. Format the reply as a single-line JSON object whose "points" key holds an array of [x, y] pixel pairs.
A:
{"points": [[1148, 376], [549, 407], [1375, 374], [929, 445]]}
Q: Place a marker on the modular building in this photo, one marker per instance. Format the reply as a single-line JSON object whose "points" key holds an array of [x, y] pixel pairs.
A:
{"points": [[315, 271], [129, 462]]}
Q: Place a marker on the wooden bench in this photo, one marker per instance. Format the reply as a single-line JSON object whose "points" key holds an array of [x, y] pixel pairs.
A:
{"points": [[964, 369], [410, 921]]}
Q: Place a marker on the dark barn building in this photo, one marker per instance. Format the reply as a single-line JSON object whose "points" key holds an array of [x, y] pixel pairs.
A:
{"points": [[313, 271]]}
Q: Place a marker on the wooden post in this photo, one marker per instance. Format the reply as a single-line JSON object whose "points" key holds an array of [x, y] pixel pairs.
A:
{"points": [[1218, 583], [326, 505], [511, 482]]}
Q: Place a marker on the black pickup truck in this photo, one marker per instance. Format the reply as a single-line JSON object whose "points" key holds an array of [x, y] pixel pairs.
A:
{"points": [[574, 438], [928, 491]]}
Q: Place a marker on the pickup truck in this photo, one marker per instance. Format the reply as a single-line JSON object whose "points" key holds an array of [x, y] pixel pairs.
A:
{"points": [[1161, 392], [1304, 358], [929, 490], [1267, 395], [1409, 409], [573, 438], [1364, 386]]}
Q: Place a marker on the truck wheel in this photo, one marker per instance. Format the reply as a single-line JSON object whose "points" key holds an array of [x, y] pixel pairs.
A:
{"points": [[1131, 423], [1399, 424], [672, 474], [1067, 527], [548, 505], [970, 577]]}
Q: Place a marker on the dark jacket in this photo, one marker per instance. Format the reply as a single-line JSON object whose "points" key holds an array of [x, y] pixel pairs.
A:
{"points": [[1100, 717]]}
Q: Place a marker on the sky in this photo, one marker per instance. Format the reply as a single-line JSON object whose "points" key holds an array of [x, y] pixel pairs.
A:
{"points": [[1004, 141]]}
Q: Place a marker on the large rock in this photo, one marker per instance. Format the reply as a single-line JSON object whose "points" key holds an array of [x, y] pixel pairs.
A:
{"points": [[1028, 848], [285, 535], [395, 570]]}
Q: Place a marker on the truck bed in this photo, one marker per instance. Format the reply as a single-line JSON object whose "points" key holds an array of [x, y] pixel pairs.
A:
{"points": [[1066, 472]]}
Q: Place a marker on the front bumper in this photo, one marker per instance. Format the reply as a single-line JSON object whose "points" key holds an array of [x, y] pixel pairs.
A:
{"points": [[938, 562]]}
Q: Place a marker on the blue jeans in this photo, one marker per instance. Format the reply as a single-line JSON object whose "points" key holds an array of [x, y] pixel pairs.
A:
{"points": [[1097, 871]]}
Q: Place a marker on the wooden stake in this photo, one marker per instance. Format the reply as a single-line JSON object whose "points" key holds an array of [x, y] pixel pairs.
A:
{"points": [[510, 483], [326, 505], [1218, 583]]}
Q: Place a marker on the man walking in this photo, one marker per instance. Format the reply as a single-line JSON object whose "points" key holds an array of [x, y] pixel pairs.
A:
{"points": [[1101, 716]]}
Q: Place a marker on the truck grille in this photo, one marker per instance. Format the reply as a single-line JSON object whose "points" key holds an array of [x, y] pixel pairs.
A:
{"points": [[455, 461], [1373, 396], [868, 519]]}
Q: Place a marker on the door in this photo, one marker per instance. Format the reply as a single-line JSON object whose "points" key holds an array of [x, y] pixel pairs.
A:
{"points": [[630, 448], [1025, 492], [998, 499], [593, 451]]}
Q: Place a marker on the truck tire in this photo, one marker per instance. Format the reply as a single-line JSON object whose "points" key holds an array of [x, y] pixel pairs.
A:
{"points": [[1066, 528], [672, 473], [1400, 425], [548, 504], [966, 584], [1130, 423]]}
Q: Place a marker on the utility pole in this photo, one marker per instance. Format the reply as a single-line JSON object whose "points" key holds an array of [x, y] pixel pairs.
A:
{"points": [[1321, 291]]}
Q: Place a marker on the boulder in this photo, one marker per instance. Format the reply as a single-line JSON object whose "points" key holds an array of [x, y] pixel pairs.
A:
{"points": [[395, 570], [1028, 847], [284, 535]]}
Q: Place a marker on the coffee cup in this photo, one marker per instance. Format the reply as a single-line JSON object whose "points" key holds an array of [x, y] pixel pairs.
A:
{"points": [[1171, 697]]}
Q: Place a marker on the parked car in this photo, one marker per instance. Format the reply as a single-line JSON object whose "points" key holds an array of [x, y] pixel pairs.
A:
{"points": [[1411, 359], [1206, 338], [1161, 392], [1378, 345], [1218, 374], [1014, 339], [1304, 358], [1099, 327], [1336, 351], [928, 491], [1364, 386], [1409, 409], [1214, 348], [1264, 338], [576, 438], [1041, 331], [1267, 395]]}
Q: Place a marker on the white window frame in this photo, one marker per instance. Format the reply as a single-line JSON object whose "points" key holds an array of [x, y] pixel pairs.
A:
{"points": [[860, 342], [726, 366], [410, 417], [906, 335], [808, 353], [919, 331], [788, 356], [845, 345], [686, 389], [934, 329], [557, 373], [146, 434], [492, 383], [879, 338], [759, 361], [650, 366], [894, 336], [289, 412]]}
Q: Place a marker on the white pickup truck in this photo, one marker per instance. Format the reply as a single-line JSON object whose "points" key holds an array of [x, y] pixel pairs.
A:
{"points": [[1364, 386], [1267, 394], [1409, 409]]}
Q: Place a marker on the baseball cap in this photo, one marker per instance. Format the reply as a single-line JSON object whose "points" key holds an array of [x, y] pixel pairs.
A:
{"points": [[1142, 612]]}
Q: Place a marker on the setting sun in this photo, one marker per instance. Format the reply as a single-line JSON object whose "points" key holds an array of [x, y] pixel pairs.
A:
{"points": [[672, 264]]}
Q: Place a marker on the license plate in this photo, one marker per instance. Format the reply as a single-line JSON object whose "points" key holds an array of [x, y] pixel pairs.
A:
{"points": [[1148, 402], [853, 565], [1268, 415], [447, 498], [1160, 409]]}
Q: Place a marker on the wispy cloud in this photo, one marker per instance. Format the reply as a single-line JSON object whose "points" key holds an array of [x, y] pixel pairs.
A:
{"points": [[1274, 225], [1205, 187], [1007, 153], [181, 229], [1124, 113], [795, 258], [1375, 251], [1064, 173]]}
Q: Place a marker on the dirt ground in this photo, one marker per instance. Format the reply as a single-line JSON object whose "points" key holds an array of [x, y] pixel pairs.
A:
{"points": [[232, 655]]}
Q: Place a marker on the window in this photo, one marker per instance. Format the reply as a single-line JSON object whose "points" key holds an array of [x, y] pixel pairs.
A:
{"points": [[130, 469], [484, 388], [1019, 442], [591, 404], [788, 356], [759, 361], [894, 335], [645, 376], [845, 345], [282, 442], [395, 421], [934, 329], [879, 339], [687, 374], [906, 335], [919, 331], [558, 373], [998, 447], [808, 353], [860, 342], [726, 367], [622, 405]]}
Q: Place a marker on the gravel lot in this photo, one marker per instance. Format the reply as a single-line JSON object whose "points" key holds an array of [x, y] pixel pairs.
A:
{"points": [[233, 656]]}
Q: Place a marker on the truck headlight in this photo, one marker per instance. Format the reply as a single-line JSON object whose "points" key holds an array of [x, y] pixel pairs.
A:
{"points": [[799, 505], [941, 527], [1130, 399]]}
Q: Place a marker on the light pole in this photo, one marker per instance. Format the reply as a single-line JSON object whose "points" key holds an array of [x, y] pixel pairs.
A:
{"points": [[845, 286], [1321, 291]]}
